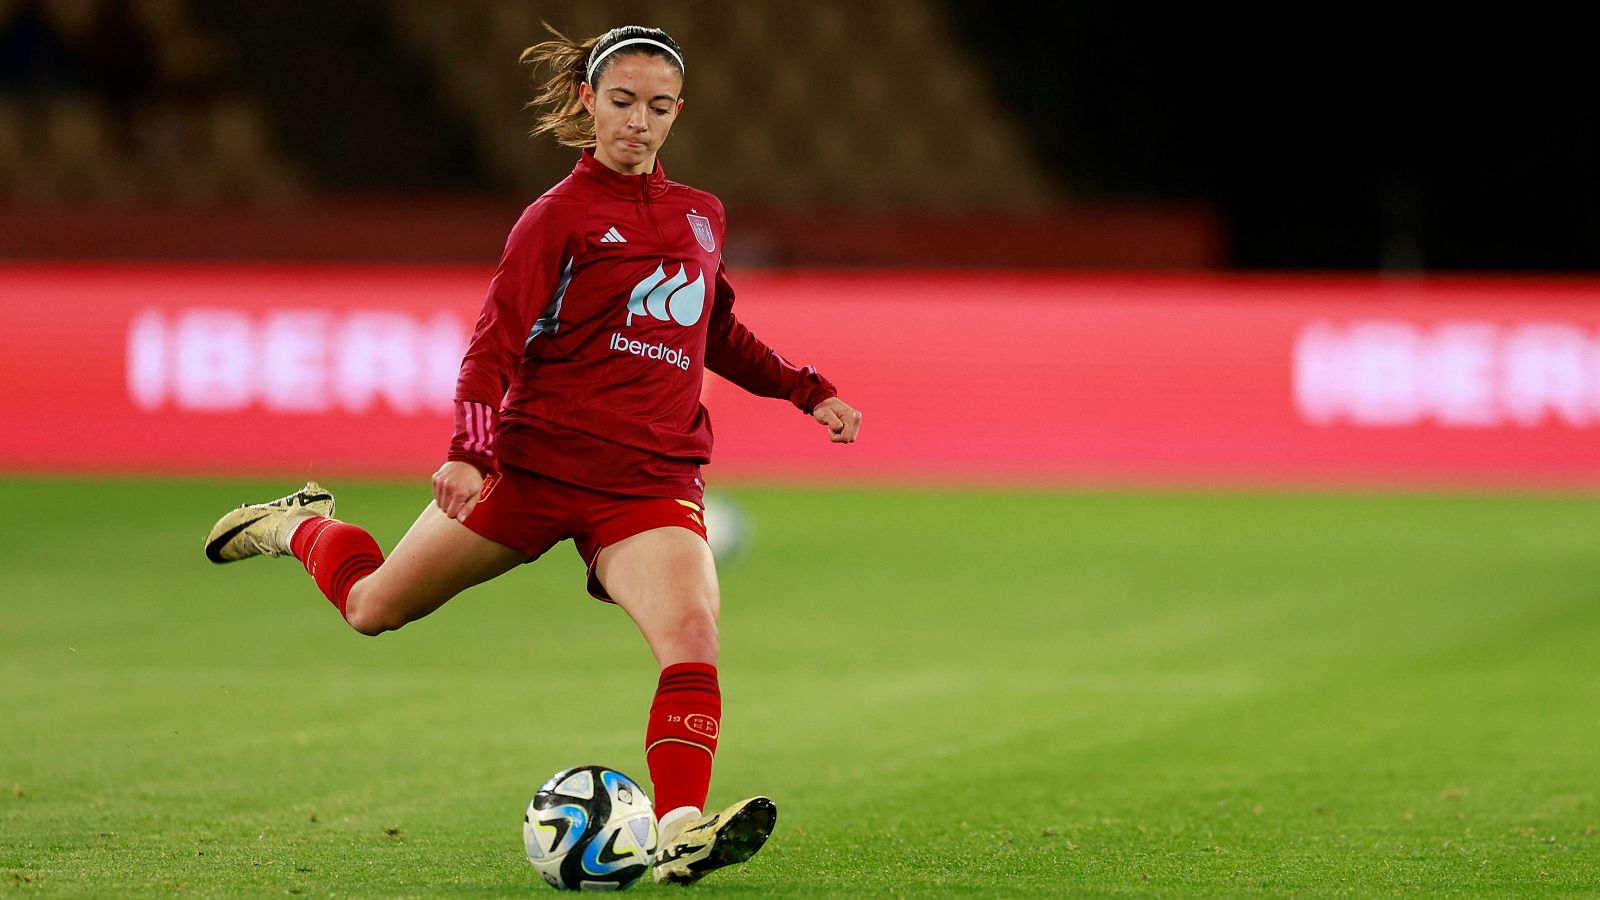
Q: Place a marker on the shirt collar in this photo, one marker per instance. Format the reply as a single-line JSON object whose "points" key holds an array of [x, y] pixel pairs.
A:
{"points": [[632, 187]]}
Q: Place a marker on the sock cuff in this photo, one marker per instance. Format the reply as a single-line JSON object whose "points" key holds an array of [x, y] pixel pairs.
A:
{"points": [[692, 683], [677, 670]]}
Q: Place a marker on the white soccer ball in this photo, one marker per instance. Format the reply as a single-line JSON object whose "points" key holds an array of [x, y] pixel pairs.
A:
{"points": [[727, 528], [590, 828]]}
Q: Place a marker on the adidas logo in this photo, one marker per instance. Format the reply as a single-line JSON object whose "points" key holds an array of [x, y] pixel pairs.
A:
{"points": [[613, 237]]}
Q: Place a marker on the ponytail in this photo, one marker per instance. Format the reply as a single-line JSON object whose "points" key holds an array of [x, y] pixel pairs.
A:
{"points": [[566, 61]]}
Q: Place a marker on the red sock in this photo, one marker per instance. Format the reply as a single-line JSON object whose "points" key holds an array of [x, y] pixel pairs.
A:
{"points": [[682, 736], [337, 554]]}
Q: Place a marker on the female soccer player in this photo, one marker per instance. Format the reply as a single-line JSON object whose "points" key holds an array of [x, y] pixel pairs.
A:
{"points": [[578, 415]]}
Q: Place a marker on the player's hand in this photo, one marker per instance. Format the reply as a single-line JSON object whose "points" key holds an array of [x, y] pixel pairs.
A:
{"points": [[842, 419], [456, 487]]}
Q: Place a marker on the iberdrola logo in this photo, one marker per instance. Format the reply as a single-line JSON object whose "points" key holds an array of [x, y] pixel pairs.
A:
{"points": [[669, 298], [665, 297]]}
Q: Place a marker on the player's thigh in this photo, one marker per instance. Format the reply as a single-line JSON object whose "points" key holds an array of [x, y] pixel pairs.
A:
{"points": [[437, 559], [666, 580]]}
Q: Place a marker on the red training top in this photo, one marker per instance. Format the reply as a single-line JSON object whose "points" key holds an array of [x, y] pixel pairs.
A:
{"points": [[598, 320]]}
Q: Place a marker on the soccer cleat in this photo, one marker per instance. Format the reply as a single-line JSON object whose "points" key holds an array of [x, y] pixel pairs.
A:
{"points": [[710, 842], [256, 529]]}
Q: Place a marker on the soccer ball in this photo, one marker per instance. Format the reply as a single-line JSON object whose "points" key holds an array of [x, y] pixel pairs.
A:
{"points": [[590, 828], [727, 528]]}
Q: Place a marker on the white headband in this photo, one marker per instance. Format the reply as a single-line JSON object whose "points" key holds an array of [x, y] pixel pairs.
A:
{"points": [[594, 62]]}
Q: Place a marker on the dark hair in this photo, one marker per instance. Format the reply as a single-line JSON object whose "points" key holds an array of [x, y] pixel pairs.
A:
{"points": [[568, 61]]}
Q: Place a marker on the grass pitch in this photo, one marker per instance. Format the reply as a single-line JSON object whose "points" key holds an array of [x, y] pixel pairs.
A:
{"points": [[948, 693]]}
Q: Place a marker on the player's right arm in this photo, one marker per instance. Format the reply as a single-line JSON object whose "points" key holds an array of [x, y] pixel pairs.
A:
{"points": [[525, 281]]}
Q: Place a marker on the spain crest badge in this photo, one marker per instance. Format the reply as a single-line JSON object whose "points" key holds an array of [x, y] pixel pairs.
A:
{"points": [[701, 226]]}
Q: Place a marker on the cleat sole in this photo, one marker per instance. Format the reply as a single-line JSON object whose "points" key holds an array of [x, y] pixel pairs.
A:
{"points": [[737, 840]]}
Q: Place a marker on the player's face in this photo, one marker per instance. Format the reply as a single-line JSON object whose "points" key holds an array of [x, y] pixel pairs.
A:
{"points": [[634, 107]]}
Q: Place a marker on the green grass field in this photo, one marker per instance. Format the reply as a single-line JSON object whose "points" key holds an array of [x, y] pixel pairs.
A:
{"points": [[958, 693]]}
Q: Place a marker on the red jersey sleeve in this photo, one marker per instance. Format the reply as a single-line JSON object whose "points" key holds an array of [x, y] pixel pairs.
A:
{"points": [[524, 293], [739, 356]]}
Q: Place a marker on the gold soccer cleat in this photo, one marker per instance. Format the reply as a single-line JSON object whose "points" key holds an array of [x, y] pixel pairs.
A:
{"points": [[710, 842], [257, 529]]}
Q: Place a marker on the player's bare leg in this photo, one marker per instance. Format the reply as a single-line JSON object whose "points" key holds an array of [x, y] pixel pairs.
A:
{"points": [[667, 582], [437, 559]]}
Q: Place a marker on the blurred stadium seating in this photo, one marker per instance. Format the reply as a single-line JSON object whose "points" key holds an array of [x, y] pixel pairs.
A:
{"points": [[128, 101], [825, 128], [364, 130]]}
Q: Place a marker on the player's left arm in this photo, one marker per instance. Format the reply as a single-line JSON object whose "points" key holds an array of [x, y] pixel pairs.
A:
{"points": [[739, 356]]}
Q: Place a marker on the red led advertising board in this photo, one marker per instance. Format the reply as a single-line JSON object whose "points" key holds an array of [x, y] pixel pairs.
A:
{"points": [[963, 378]]}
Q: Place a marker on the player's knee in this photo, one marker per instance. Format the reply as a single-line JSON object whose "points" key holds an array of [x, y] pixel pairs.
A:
{"points": [[369, 615], [695, 634], [370, 623]]}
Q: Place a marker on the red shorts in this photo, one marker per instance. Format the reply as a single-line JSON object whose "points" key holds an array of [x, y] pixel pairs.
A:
{"points": [[531, 513]]}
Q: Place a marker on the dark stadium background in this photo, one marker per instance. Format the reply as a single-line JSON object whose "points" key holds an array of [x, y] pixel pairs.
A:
{"points": [[1357, 140]]}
